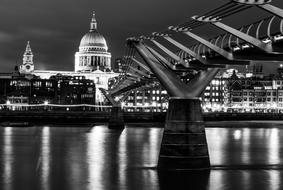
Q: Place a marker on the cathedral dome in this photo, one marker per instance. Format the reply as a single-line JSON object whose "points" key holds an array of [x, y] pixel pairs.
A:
{"points": [[93, 52], [94, 39]]}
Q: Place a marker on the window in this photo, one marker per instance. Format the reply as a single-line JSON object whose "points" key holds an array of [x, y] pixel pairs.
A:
{"points": [[274, 99], [37, 83]]}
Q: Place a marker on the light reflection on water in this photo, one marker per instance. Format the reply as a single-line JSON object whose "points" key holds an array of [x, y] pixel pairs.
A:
{"points": [[99, 158], [44, 159], [8, 158]]}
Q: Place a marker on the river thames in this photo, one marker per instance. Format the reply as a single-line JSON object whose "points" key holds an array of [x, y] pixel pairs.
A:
{"points": [[244, 155]]}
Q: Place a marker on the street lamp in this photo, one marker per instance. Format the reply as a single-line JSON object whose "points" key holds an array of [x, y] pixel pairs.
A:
{"points": [[122, 104], [45, 104], [8, 102]]}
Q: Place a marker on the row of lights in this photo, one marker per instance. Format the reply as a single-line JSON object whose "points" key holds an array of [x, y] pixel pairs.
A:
{"points": [[8, 102]]}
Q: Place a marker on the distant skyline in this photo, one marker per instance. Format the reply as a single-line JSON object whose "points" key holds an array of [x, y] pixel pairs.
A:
{"points": [[55, 28]]}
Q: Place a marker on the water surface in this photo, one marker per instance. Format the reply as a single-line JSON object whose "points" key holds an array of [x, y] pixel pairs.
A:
{"points": [[90, 158]]}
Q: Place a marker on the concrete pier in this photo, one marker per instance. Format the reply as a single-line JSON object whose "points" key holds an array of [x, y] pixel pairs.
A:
{"points": [[184, 144], [116, 120]]}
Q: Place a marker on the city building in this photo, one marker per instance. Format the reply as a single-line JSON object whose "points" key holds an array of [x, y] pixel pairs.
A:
{"points": [[229, 91], [255, 93], [120, 65], [153, 98], [92, 61], [20, 90]]}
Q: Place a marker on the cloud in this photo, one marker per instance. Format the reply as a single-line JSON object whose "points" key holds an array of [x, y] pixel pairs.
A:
{"points": [[6, 37], [40, 32], [7, 65]]}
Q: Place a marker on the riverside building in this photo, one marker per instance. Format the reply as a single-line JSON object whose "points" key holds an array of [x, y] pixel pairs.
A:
{"points": [[229, 91]]}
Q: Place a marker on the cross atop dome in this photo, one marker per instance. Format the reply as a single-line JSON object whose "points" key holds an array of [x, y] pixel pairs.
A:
{"points": [[93, 23]]}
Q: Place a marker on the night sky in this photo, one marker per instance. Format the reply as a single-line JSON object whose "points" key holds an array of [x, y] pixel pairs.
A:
{"points": [[55, 27]]}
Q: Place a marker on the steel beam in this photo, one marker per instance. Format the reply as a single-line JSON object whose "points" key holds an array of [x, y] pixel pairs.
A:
{"points": [[254, 41], [272, 9], [139, 72], [215, 48], [201, 80], [170, 53], [206, 61], [160, 57], [169, 80], [108, 96], [141, 65], [134, 76], [263, 4], [267, 48], [187, 50], [129, 88], [125, 96]]}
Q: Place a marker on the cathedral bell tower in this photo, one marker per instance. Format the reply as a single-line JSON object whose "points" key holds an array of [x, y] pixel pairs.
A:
{"points": [[27, 67]]}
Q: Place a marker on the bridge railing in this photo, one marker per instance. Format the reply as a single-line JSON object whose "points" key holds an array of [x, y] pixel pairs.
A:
{"points": [[79, 107], [140, 108], [54, 107]]}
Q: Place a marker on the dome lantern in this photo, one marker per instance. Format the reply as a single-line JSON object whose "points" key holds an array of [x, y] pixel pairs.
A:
{"points": [[93, 23], [93, 40]]}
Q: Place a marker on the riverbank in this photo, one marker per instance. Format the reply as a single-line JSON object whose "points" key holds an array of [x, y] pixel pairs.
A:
{"points": [[76, 117], [129, 117]]}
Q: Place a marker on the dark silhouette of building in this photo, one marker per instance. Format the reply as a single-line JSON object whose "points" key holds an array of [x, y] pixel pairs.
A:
{"points": [[56, 90]]}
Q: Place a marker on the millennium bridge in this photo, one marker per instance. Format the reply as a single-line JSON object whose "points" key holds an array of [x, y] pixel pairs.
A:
{"points": [[180, 50]]}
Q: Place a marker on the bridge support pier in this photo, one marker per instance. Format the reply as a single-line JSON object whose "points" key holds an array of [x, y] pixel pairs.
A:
{"points": [[116, 120], [184, 144]]}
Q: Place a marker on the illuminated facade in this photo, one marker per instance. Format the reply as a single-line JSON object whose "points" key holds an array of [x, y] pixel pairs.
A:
{"points": [[27, 67], [92, 61], [229, 91], [92, 54], [147, 99]]}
